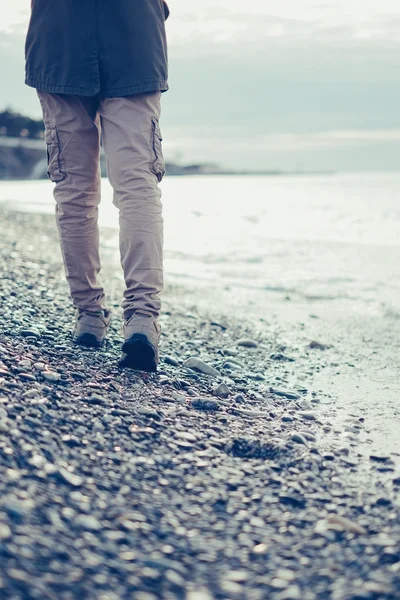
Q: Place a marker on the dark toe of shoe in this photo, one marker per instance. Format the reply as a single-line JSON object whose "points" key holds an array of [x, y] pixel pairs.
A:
{"points": [[138, 354], [88, 340]]}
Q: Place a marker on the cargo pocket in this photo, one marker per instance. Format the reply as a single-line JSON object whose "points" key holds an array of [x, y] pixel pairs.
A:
{"points": [[55, 167], [157, 160]]}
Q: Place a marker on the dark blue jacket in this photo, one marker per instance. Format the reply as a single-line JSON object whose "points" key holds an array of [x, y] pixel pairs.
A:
{"points": [[112, 47]]}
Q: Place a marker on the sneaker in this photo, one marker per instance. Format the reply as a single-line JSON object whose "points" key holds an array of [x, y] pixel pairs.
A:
{"points": [[91, 327], [140, 349]]}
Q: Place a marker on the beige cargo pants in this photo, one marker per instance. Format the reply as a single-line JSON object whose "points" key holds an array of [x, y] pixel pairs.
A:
{"points": [[132, 143]]}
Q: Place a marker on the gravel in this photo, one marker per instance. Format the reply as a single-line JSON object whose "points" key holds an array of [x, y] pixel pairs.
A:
{"points": [[187, 484]]}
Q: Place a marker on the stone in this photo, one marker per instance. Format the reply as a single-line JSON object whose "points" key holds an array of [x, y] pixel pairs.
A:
{"points": [[40, 366], [310, 437], [207, 404], [328, 456], [339, 523], [282, 358], [247, 343], [196, 364], [25, 364], [29, 333], [252, 413], [239, 398], [293, 592], [308, 415], [51, 376], [287, 419], [88, 522], [5, 532], [169, 360], [232, 365], [200, 594], [298, 439], [380, 458], [185, 435], [145, 411], [96, 399], [317, 346], [291, 395], [260, 549], [27, 377], [231, 352], [294, 500], [222, 391], [305, 404], [67, 477]]}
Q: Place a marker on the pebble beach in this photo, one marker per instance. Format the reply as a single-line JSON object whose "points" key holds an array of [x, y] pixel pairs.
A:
{"points": [[212, 479]]}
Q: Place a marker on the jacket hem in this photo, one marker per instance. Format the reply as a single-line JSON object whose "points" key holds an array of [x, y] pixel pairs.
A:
{"points": [[62, 89], [154, 86]]}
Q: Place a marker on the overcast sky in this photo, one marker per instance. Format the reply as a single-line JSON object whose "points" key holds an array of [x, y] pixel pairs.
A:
{"points": [[308, 84]]}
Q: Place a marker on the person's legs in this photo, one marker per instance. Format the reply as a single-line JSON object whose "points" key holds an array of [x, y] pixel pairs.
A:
{"points": [[73, 147], [132, 143]]}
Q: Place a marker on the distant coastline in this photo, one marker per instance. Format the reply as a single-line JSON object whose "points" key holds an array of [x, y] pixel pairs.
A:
{"points": [[24, 158]]}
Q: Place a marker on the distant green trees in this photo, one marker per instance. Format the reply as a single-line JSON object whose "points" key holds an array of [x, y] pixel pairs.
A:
{"points": [[13, 124]]}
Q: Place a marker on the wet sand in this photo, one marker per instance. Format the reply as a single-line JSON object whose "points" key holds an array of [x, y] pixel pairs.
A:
{"points": [[243, 483]]}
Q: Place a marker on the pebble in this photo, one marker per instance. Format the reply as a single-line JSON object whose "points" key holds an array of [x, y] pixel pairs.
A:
{"points": [[185, 435], [207, 404], [239, 398], [88, 522], [328, 456], [339, 523], [232, 365], [291, 395], [380, 458], [287, 418], [40, 366], [317, 346], [96, 399], [308, 436], [18, 510], [305, 404], [298, 439], [67, 477], [247, 343], [231, 352], [169, 360], [260, 549], [307, 415], [29, 333], [197, 364], [293, 592], [25, 364], [292, 500], [252, 413], [5, 532], [27, 377], [51, 376], [148, 412], [222, 391], [282, 358], [201, 594]]}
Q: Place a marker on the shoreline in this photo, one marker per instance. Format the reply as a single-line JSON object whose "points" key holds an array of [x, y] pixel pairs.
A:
{"points": [[123, 484]]}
